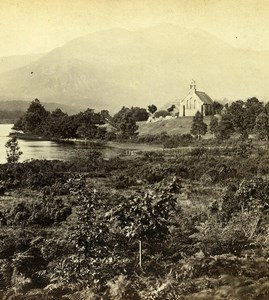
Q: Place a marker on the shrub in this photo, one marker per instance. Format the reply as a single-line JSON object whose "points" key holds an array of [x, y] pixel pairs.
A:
{"points": [[162, 113], [124, 181]]}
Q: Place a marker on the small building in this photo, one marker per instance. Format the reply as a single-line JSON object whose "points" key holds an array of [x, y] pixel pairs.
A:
{"points": [[195, 101]]}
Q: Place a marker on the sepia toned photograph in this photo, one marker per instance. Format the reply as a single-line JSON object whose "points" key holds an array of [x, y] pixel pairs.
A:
{"points": [[134, 150]]}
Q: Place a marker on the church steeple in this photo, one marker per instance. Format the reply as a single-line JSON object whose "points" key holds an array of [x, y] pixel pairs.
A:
{"points": [[193, 85]]}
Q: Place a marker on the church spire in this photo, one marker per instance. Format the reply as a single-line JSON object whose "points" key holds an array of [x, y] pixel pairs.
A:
{"points": [[193, 85]]}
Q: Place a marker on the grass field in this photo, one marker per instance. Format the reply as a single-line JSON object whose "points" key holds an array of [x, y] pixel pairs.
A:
{"points": [[182, 125]]}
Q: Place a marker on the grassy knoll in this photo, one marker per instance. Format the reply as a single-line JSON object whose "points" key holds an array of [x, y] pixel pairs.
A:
{"points": [[182, 125]]}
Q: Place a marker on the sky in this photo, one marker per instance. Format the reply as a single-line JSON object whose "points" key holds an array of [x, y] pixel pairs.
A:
{"points": [[38, 26]]}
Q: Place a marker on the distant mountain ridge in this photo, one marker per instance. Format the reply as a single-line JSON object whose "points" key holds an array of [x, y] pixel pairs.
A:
{"points": [[112, 68], [20, 105], [8, 63]]}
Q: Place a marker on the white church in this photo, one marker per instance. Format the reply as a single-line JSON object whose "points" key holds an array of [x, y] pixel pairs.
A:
{"points": [[193, 102]]}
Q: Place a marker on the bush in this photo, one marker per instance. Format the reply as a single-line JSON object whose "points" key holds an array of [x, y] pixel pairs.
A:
{"points": [[155, 173], [162, 113], [40, 212], [124, 181]]}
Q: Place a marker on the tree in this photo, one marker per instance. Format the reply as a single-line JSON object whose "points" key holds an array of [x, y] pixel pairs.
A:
{"points": [[253, 107], [34, 118], [147, 216], [237, 114], [262, 126], [152, 108], [55, 123], [13, 150], [198, 127], [162, 113], [87, 131], [125, 121], [128, 127], [244, 114], [217, 107], [213, 125], [225, 128], [137, 113]]}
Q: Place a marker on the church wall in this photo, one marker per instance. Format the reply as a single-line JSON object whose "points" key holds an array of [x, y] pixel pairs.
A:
{"points": [[192, 104]]}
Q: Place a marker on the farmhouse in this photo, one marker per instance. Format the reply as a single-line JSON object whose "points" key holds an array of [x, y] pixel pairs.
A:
{"points": [[195, 101]]}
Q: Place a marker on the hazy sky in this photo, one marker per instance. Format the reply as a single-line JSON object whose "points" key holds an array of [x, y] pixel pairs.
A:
{"points": [[33, 26]]}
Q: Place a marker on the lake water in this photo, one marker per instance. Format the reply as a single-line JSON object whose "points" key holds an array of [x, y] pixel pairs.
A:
{"points": [[51, 150]]}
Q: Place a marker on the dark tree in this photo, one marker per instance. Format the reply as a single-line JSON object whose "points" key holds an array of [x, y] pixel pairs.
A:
{"points": [[34, 118], [128, 127], [262, 126], [125, 121], [152, 108], [13, 150], [225, 128], [55, 123], [162, 113], [137, 113], [171, 108], [213, 125], [253, 108], [217, 107], [198, 127], [243, 115]]}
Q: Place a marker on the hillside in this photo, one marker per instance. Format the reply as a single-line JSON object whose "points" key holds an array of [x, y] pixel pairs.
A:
{"points": [[175, 126], [112, 68], [8, 63], [22, 106]]}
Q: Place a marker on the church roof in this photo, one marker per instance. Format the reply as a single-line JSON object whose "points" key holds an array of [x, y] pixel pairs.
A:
{"points": [[204, 97]]}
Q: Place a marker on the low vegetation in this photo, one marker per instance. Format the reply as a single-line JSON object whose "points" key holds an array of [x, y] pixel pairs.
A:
{"points": [[185, 226]]}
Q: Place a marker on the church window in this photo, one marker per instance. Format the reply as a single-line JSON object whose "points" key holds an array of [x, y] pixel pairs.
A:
{"points": [[187, 105], [194, 104]]}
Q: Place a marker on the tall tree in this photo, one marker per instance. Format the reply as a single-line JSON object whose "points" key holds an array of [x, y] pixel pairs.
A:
{"points": [[55, 123], [198, 127], [244, 114], [237, 114], [34, 118], [225, 128], [213, 125], [128, 127], [125, 121], [13, 150], [217, 107], [262, 126]]}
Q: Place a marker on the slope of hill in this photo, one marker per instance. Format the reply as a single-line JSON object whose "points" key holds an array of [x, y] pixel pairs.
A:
{"points": [[174, 126], [116, 67], [8, 63]]}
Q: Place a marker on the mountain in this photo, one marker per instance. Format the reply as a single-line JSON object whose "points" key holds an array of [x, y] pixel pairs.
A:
{"points": [[22, 106], [8, 63], [112, 68]]}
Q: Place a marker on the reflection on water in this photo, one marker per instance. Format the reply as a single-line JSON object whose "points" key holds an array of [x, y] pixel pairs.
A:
{"points": [[47, 149]]}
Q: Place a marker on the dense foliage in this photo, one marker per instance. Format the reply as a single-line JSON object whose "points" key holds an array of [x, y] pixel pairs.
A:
{"points": [[155, 226], [13, 150], [198, 127]]}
